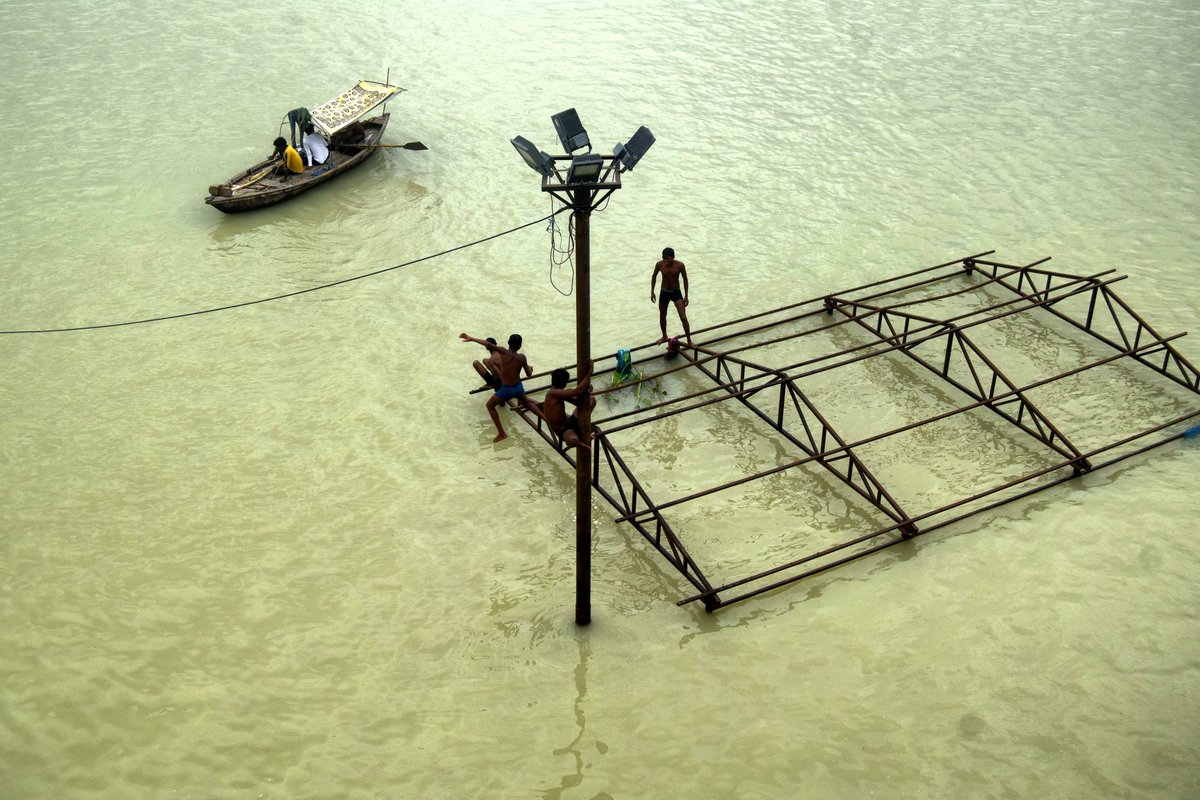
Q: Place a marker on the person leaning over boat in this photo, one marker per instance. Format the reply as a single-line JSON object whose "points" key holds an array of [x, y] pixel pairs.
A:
{"points": [[316, 149], [298, 118], [291, 163]]}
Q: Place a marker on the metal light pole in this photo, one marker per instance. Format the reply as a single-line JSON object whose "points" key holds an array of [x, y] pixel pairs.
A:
{"points": [[582, 202], [583, 199], [588, 181]]}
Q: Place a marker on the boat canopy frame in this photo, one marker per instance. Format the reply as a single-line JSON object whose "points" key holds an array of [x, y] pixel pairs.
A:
{"points": [[895, 324]]}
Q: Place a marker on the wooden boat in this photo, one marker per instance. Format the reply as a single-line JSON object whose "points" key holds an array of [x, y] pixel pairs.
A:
{"points": [[258, 186], [352, 140]]}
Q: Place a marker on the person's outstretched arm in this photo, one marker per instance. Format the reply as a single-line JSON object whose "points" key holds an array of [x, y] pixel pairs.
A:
{"points": [[468, 338]]}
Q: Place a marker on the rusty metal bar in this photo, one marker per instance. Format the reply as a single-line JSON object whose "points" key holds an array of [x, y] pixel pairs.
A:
{"points": [[663, 538], [957, 318], [778, 310], [940, 324], [1188, 376], [872, 285], [967, 267], [674, 551], [933, 335], [871, 489], [826, 299]]}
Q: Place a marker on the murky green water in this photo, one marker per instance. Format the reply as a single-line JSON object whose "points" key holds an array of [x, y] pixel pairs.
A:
{"points": [[272, 552]]}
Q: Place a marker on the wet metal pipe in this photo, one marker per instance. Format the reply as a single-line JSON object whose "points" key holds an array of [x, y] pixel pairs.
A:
{"points": [[582, 199]]}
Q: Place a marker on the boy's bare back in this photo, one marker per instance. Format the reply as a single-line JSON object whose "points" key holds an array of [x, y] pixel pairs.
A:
{"points": [[510, 365]]}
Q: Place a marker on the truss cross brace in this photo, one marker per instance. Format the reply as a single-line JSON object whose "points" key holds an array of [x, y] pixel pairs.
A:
{"points": [[987, 382], [818, 434]]}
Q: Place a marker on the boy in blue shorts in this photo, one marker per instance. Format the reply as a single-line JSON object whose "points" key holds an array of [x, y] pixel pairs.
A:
{"points": [[510, 363]]}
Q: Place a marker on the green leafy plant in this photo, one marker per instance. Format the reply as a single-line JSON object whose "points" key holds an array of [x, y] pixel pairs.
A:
{"points": [[644, 391]]}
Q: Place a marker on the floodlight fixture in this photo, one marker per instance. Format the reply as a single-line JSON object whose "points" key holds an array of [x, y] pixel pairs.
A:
{"points": [[537, 160], [585, 168], [570, 131], [630, 153]]}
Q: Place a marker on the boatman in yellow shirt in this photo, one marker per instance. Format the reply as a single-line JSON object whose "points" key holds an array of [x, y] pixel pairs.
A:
{"points": [[291, 163]]}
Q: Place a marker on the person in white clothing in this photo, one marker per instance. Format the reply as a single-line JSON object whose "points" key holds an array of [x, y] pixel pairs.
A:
{"points": [[316, 149]]}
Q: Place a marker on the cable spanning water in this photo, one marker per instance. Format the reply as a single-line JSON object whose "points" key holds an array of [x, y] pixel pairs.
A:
{"points": [[285, 295]]}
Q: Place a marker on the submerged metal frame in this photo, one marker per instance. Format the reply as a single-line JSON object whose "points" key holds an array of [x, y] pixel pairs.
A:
{"points": [[940, 345]]}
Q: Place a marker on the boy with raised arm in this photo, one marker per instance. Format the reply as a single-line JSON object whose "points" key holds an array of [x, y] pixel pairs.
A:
{"points": [[510, 363]]}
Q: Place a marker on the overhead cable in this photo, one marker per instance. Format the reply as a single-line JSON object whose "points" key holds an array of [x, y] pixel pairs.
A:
{"points": [[281, 296]]}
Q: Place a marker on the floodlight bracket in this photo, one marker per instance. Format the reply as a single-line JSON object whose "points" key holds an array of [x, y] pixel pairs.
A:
{"points": [[593, 192]]}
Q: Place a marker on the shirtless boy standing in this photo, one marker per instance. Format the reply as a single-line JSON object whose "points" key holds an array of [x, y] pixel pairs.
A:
{"points": [[672, 271]]}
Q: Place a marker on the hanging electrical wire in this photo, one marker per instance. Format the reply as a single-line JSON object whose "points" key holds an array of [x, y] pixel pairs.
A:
{"points": [[232, 306], [564, 253]]}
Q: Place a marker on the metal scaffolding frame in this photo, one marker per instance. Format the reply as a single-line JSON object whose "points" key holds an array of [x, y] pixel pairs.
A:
{"points": [[886, 311]]}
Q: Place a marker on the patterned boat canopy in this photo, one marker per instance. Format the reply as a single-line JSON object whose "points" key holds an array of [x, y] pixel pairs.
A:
{"points": [[351, 105]]}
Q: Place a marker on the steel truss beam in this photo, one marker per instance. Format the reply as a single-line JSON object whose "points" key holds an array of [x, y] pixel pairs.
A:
{"points": [[841, 460], [1130, 328], [986, 377], [624, 492]]}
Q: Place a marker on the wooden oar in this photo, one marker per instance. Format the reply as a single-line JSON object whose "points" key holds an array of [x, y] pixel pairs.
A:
{"points": [[409, 146], [254, 179]]}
